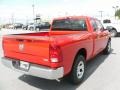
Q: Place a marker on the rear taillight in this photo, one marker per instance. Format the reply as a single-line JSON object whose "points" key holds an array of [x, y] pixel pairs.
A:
{"points": [[55, 54]]}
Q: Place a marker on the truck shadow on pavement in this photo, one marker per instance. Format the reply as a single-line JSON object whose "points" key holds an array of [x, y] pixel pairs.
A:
{"points": [[44, 84]]}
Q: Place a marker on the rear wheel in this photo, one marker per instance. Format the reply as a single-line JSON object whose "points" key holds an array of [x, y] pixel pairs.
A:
{"points": [[78, 70], [31, 28], [37, 29]]}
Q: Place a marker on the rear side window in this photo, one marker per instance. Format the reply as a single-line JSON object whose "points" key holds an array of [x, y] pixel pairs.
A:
{"points": [[69, 24], [94, 25], [99, 25]]}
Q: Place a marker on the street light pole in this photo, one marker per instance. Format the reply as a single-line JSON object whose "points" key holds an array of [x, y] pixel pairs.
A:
{"points": [[33, 9], [12, 18], [115, 8], [33, 6], [101, 14]]}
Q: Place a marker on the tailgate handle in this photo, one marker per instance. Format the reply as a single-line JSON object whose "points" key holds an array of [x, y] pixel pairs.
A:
{"points": [[20, 40]]}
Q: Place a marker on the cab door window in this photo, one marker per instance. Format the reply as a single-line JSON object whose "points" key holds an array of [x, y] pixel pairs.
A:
{"points": [[94, 25], [99, 25]]}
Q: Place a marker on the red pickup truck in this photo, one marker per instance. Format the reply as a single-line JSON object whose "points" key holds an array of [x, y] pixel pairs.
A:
{"points": [[61, 51]]}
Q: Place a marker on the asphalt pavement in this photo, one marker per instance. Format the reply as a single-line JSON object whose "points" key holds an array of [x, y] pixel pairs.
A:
{"points": [[103, 73]]}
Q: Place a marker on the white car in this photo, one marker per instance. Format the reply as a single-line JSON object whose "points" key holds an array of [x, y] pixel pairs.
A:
{"points": [[11, 26], [31, 26], [112, 25]]}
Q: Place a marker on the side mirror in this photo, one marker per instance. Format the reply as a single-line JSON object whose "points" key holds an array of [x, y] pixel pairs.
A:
{"points": [[103, 29]]}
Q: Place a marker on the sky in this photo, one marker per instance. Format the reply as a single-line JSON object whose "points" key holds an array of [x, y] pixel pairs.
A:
{"points": [[22, 11]]}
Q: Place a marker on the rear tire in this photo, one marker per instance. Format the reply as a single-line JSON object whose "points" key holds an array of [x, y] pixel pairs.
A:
{"points": [[37, 29], [78, 70]]}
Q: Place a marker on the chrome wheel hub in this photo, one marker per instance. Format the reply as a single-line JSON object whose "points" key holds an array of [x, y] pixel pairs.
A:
{"points": [[109, 47], [80, 69]]}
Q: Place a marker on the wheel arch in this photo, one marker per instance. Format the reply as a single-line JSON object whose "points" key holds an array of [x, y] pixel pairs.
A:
{"points": [[82, 52], [111, 28]]}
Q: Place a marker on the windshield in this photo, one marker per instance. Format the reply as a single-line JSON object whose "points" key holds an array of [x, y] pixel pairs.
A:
{"points": [[69, 24]]}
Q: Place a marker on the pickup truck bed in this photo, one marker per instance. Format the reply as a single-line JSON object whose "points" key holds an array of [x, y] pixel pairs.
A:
{"points": [[36, 45]]}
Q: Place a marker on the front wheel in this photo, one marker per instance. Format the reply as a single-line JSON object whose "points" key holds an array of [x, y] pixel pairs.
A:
{"points": [[78, 70], [107, 50], [113, 33]]}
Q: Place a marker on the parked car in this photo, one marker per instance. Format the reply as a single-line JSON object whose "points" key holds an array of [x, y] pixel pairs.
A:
{"points": [[61, 51], [113, 26], [43, 25], [18, 26], [25, 26], [10, 26], [39, 26], [31, 26]]}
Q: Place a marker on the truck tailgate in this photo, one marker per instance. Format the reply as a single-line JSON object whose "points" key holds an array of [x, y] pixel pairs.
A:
{"points": [[34, 49]]}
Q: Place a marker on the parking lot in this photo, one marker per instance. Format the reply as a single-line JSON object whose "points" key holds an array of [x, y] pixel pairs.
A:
{"points": [[103, 73]]}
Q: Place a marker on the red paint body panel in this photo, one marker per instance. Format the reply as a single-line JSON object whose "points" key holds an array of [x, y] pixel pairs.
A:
{"points": [[37, 45]]}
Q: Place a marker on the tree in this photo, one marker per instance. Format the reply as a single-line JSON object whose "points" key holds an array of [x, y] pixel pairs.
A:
{"points": [[117, 13]]}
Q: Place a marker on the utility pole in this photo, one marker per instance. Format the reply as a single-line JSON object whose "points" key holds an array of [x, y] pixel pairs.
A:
{"points": [[26, 20], [33, 7], [101, 14], [12, 18], [115, 9]]}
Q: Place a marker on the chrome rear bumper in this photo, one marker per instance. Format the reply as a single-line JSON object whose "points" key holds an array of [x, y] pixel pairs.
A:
{"points": [[37, 70]]}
